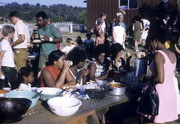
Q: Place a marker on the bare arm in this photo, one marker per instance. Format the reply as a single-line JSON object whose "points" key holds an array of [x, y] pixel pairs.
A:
{"points": [[159, 68], [20, 39], [177, 49], [92, 69], [54, 40], [49, 80]]}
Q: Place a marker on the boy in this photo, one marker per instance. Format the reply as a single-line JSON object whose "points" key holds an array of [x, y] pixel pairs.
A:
{"points": [[7, 65]]}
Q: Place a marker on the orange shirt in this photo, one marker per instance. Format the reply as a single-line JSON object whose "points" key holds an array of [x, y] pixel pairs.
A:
{"points": [[53, 71]]}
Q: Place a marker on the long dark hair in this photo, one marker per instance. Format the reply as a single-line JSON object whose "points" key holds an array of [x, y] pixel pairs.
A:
{"points": [[54, 56]]}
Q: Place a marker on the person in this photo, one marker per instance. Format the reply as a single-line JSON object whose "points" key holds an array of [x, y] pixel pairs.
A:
{"points": [[117, 56], [120, 19], [119, 34], [120, 13], [102, 17], [7, 65], [69, 46], [145, 30], [78, 70], [137, 27], [97, 68], [49, 37], [79, 41], [100, 37], [171, 43], [56, 72], [20, 40], [163, 68], [89, 44], [26, 77], [88, 41]]}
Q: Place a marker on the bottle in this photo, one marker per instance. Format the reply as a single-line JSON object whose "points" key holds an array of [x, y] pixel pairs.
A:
{"points": [[36, 34]]}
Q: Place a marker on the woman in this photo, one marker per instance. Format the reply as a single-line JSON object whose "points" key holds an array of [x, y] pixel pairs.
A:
{"points": [[118, 33], [98, 68], [78, 71], [163, 67], [56, 71], [137, 27], [117, 56]]}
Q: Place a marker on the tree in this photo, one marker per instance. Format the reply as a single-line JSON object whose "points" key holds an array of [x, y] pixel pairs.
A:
{"points": [[83, 17]]}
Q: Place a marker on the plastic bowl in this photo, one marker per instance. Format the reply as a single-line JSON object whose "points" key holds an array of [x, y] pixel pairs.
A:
{"points": [[23, 94], [64, 106], [48, 92], [13, 109]]}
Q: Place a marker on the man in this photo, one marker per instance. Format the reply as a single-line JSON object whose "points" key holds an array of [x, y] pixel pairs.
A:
{"points": [[20, 40], [49, 37]]}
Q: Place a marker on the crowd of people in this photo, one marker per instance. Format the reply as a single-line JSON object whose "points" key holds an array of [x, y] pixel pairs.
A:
{"points": [[81, 61]]}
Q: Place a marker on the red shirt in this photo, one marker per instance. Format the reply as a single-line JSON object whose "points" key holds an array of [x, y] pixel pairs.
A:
{"points": [[53, 71]]}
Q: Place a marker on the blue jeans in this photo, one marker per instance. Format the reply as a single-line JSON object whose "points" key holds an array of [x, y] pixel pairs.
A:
{"points": [[10, 76]]}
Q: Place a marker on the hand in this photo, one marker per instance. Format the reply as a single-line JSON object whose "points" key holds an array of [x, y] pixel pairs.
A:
{"points": [[84, 72], [44, 38], [66, 65]]}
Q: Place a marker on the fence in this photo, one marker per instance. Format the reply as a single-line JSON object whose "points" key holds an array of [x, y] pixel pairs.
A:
{"points": [[63, 26]]}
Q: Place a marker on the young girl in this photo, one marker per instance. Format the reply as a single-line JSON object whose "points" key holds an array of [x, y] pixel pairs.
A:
{"points": [[25, 77]]}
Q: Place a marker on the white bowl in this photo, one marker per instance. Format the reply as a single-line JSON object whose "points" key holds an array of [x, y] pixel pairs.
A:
{"points": [[64, 106], [48, 92]]}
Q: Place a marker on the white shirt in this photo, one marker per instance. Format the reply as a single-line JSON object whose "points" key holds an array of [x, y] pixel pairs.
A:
{"points": [[119, 35], [67, 49], [103, 25], [25, 87], [146, 23], [21, 28], [8, 58]]}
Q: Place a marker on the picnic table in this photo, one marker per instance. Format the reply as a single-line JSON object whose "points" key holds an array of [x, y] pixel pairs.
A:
{"points": [[41, 113]]}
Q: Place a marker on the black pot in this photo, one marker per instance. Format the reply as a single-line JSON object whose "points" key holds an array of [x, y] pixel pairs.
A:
{"points": [[13, 109], [96, 93]]}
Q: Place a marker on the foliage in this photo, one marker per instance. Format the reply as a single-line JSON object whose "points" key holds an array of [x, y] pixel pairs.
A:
{"points": [[56, 12], [82, 18]]}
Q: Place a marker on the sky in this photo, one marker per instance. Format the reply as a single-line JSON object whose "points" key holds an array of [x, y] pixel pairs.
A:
{"points": [[78, 3]]}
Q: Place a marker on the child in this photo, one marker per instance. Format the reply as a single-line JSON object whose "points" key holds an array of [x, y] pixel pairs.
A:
{"points": [[25, 77], [7, 65], [69, 46]]}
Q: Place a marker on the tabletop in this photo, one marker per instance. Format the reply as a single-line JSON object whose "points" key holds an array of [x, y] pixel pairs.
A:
{"points": [[42, 114]]}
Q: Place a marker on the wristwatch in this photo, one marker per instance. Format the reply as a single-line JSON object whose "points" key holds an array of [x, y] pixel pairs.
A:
{"points": [[50, 39]]}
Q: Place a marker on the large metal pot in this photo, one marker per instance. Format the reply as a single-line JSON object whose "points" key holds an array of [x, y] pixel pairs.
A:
{"points": [[115, 88]]}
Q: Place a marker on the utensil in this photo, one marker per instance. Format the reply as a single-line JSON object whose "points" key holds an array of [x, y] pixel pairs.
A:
{"points": [[37, 94], [59, 93], [48, 92]]}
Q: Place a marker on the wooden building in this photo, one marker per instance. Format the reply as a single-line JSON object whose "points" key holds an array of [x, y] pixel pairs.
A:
{"points": [[111, 7]]}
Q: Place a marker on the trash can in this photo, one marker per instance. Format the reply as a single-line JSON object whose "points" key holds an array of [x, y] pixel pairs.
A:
{"points": [[140, 67]]}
